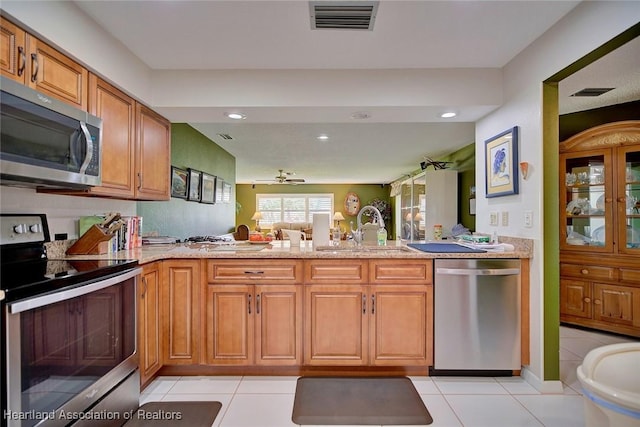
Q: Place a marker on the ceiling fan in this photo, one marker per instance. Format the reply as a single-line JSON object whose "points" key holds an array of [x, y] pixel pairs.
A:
{"points": [[283, 178]]}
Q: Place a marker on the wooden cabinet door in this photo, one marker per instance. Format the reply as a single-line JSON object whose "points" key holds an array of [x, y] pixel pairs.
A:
{"points": [[401, 325], [153, 155], [149, 338], [53, 73], [229, 324], [278, 325], [180, 301], [336, 325], [616, 304], [13, 51], [117, 111], [575, 298]]}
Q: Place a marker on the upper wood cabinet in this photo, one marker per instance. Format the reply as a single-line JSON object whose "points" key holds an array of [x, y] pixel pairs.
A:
{"points": [[153, 155], [13, 51], [600, 190], [118, 113], [34, 63]]}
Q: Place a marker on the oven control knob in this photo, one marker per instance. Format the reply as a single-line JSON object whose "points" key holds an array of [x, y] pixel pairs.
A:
{"points": [[35, 228], [20, 228]]}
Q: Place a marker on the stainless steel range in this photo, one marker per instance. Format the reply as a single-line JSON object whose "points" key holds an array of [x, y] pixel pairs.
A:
{"points": [[68, 333]]}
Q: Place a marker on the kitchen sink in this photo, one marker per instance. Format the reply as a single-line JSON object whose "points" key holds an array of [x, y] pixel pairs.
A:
{"points": [[364, 248]]}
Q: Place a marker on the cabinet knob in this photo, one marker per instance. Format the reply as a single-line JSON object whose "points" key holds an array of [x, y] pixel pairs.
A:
{"points": [[622, 199], [584, 271], [587, 300], [597, 302]]}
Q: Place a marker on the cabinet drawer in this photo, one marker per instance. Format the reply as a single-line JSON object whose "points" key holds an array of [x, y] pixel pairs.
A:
{"points": [[588, 271], [628, 275], [253, 271], [336, 271], [417, 272]]}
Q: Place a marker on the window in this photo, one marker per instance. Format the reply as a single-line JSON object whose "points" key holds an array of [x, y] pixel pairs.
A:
{"points": [[292, 207]]}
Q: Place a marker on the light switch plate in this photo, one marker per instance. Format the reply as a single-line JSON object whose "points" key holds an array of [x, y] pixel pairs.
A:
{"points": [[493, 218], [504, 218], [528, 219]]}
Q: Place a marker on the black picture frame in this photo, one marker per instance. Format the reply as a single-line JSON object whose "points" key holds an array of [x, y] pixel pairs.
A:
{"points": [[207, 188], [219, 189], [501, 164], [194, 185], [179, 182]]}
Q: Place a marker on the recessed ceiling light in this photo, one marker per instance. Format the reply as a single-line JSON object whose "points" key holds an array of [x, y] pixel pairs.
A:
{"points": [[448, 115], [235, 116], [322, 137]]}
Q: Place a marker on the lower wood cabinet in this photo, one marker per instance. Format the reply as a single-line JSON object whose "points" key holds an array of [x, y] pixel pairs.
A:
{"points": [[379, 325], [379, 315], [587, 300], [253, 325], [180, 296], [149, 326]]}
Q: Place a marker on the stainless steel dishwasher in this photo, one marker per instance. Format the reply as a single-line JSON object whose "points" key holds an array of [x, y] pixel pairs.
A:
{"points": [[477, 317]]}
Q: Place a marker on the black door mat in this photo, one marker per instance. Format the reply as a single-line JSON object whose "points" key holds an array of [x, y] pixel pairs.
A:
{"points": [[358, 401], [175, 414]]}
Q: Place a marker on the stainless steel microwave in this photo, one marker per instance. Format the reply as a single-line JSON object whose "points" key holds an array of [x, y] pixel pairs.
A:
{"points": [[45, 142]]}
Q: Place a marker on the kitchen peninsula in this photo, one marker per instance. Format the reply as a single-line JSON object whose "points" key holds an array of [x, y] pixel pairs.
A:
{"points": [[250, 309]]}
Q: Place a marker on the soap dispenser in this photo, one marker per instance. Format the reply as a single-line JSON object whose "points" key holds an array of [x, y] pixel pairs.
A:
{"points": [[382, 236]]}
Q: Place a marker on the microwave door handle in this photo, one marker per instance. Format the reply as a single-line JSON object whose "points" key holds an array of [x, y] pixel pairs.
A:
{"points": [[89, 151]]}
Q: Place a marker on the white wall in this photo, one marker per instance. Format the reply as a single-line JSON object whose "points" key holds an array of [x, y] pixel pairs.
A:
{"points": [[62, 211], [587, 27]]}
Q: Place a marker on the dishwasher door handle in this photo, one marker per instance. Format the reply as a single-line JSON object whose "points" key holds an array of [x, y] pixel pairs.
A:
{"points": [[478, 271]]}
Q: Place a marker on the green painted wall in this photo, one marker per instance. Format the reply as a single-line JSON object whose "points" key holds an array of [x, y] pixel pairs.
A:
{"points": [[181, 218], [246, 196]]}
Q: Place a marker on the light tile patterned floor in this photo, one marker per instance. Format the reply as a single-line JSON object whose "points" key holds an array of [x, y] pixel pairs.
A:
{"points": [[452, 401]]}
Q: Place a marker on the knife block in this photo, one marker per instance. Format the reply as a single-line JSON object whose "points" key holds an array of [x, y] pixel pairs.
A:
{"points": [[94, 242]]}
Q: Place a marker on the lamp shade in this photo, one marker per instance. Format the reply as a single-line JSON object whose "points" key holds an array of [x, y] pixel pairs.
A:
{"points": [[256, 216], [338, 216], [418, 217]]}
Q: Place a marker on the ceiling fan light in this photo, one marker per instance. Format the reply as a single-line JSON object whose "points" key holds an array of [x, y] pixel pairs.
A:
{"points": [[235, 116]]}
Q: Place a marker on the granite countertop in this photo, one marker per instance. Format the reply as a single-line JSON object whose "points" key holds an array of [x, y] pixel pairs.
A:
{"points": [[281, 249]]}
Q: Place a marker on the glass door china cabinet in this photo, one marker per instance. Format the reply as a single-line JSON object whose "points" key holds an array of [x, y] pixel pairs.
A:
{"points": [[600, 228]]}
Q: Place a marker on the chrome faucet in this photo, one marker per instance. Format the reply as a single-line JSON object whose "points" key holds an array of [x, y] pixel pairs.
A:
{"points": [[357, 234]]}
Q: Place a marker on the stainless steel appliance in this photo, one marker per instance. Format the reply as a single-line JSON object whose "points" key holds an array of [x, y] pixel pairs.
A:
{"points": [[476, 316], [68, 332], [45, 142]]}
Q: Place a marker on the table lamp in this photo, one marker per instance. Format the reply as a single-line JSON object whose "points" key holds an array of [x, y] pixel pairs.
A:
{"points": [[257, 216]]}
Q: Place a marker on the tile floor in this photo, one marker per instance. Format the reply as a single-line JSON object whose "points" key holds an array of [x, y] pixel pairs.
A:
{"points": [[452, 401]]}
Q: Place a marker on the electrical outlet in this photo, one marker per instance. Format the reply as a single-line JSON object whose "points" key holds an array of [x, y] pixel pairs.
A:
{"points": [[504, 218], [493, 218], [528, 219]]}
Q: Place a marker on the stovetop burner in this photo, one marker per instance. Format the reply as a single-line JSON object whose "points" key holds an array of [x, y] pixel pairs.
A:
{"points": [[205, 239]]}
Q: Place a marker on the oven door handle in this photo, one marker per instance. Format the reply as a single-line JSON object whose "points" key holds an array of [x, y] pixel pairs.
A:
{"points": [[42, 300]]}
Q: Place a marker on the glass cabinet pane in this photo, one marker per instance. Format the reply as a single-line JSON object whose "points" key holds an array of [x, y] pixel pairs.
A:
{"points": [[631, 197], [586, 201]]}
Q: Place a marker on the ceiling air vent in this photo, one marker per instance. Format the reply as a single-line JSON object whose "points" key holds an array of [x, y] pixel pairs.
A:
{"points": [[592, 91], [225, 136], [343, 15]]}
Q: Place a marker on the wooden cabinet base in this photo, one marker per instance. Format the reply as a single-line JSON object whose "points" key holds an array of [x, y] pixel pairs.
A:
{"points": [[195, 370]]}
